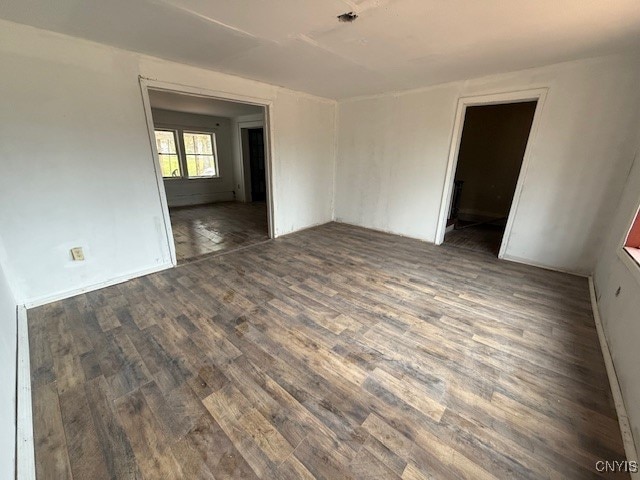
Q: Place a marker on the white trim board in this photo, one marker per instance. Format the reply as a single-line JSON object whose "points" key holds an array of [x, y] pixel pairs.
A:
{"points": [[625, 257], [189, 199], [381, 230], [146, 84], [38, 301], [162, 194], [539, 95], [531, 263], [621, 410], [630, 263], [25, 449]]}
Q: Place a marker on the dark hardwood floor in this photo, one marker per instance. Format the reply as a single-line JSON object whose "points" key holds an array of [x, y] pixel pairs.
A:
{"points": [[335, 352], [204, 230], [480, 238]]}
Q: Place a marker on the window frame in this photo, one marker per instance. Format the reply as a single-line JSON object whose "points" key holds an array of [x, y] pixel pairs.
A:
{"points": [[214, 152], [631, 261], [180, 130], [633, 251], [176, 141]]}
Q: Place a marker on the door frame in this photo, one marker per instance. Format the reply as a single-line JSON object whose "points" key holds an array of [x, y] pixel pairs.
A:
{"points": [[539, 95], [147, 84], [242, 125]]}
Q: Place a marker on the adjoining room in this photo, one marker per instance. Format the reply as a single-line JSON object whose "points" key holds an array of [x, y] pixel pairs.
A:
{"points": [[212, 157], [491, 152]]}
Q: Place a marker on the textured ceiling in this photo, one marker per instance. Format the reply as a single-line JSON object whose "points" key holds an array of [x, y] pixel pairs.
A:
{"points": [[200, 105], [393, 45]]}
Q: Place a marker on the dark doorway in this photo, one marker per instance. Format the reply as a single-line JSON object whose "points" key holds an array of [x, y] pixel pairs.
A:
{"points": [[257, 165], [494, 139]]}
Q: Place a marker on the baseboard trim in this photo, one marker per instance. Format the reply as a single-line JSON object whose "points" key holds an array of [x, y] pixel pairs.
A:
{"points": [[531, 263], [621, 410], [389, 232], [507, 257], [302, 229], [25, 451], [39, 301], [192, 200]]}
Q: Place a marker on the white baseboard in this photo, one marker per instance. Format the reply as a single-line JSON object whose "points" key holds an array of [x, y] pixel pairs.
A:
{"points": [[621, 410], [38, 301], [382, 230], [25, 453], [187, 200], [526, 261], [302, 229]]}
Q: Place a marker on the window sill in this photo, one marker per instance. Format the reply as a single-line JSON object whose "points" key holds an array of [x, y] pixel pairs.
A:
{"points": [[631, 258], [175, 179]]}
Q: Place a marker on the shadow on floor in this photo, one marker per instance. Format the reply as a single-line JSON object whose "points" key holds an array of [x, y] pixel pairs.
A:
{"points": [[485, 237]]}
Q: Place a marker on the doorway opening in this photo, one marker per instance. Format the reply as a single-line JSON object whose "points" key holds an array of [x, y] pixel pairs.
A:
{"points": [[488, 166], [215, 186], [253, 154]]}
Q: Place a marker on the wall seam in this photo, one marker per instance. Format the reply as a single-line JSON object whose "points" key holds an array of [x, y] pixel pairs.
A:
{"points": [[335, 161]]}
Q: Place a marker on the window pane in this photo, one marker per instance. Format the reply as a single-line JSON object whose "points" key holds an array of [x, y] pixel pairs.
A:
{"points": [[200, 155], [198, 143], [167, 153], [169, 165], [165, 141], [201, 165]]}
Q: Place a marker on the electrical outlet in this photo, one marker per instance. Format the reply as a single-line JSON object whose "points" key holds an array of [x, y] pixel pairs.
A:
{"points": [[77, 254]]}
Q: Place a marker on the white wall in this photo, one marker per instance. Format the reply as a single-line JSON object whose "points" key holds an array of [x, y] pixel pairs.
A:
{"points": [[8, 343], [194, 191], [620, 314], [77, 167], [393, 151], [306, 150]]}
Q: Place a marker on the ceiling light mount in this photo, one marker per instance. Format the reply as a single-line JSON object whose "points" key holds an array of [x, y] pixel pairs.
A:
{"points": [[347, 17]]}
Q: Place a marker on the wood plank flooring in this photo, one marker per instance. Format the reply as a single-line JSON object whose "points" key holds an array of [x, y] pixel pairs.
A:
{"points": [[204, 230], [481, 238], [333, 353]]}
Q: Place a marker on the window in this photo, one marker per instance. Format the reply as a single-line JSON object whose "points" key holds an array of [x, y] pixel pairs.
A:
{"points": [[632, 243], [184, 154], [199, 153], [168, 153]]}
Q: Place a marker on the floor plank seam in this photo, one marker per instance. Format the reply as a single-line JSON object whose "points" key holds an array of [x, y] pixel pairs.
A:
{"points": [[241, 357]]}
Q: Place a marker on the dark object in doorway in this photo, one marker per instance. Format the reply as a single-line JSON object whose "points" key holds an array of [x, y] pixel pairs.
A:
{"points": [[257, 165], [347, 17]]}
